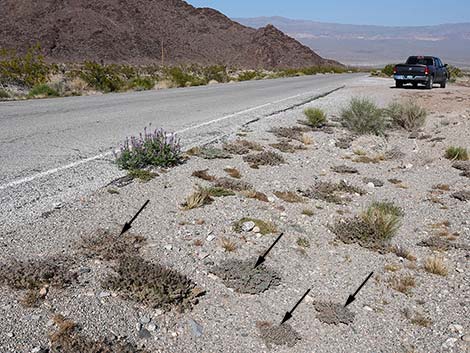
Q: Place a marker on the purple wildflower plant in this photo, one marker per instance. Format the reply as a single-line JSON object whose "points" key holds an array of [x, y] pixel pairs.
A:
{"points": [[151, 148]]}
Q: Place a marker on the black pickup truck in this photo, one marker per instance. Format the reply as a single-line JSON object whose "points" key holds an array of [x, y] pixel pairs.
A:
{"points": [[426, 70]]}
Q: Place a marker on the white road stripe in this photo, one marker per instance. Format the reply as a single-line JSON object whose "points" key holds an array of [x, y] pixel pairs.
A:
{"points": [[103, 155]]}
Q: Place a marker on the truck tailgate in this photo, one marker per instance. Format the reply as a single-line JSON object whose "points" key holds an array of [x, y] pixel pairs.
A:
{"points": [[411, 70]]}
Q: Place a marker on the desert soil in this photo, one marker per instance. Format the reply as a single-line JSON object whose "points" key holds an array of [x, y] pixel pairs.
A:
{"points": [[200, 253]]}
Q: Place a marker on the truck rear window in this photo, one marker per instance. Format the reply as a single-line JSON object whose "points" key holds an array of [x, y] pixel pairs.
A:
{"points": [[414, 60]]}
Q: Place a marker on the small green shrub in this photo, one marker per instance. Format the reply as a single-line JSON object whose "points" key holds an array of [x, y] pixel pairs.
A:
{"points": [[182, 78], [4, 93], [28, 70], [388, 69], [408, 115], [142, 83], [363, 116], [156, 148], [216, 73], [142, 174], [248, 75], [316, 117], [457, 153], [454, 73], [43, 90], [104, 78]]}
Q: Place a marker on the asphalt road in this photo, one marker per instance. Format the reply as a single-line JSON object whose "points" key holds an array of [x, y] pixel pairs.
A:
{"points": [[40, 140]]}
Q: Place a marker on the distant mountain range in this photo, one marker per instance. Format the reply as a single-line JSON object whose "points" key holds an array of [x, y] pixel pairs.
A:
{"points": [[146, 32], [375, 45]]}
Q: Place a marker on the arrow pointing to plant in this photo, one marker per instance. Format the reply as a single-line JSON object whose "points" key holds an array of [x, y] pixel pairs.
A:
{"points": [[128, 225], [351, 298], [289, 313], [263, 257]]}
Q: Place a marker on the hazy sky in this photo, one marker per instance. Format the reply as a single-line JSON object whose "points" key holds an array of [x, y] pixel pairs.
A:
{"points": [[380, 12]]}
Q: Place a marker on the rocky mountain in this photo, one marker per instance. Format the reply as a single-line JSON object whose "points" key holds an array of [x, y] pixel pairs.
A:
{"points": [[142, 31], [375, 45]]}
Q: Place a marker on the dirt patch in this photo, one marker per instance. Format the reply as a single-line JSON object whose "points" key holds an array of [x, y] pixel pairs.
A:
{"points": [[109, 245], [244, 278], [290, 133], [232, 184], [203, 174], [242, 147], [344, 142], [67, 339], [277, 335], [264, 158], [463, 195], [286, 147], [208, 153], [333, 313], [289, 196], [150, 284], [344, 169], [442, 244], [332, 192]]}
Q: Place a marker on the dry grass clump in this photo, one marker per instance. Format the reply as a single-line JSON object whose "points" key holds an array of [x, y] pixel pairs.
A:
{"points": [[242, 147], [198, 198], [442, 244], [289, 196], [142, 174], [203, 174], [231, 184], [436, 266], [374, 159], [373, 228], [264, 159], [441, 187], [363, 116], [417, 318], [253, 194], [407, 115], [344, 169], [109, 245], [233, 172], [67, 339], [286, 147], [403, 283], [332, 192], [228, 245], [402, 252], [316, 117], [457, 153], [306, 139], [264, 226], [150, 284]]}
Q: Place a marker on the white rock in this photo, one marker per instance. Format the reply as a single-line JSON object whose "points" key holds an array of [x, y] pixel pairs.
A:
{"points": [[367, 308], [456, 328], [409, 166], [466, 338], [168, 247], [248, 226], [210, 237], [449, 343], [256, 230], [370, 185]]}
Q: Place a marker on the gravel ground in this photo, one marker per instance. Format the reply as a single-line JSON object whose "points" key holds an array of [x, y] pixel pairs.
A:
{"points": [[432, 317]]}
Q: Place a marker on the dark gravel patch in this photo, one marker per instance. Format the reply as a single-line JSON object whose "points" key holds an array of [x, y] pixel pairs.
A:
{"points": [[277, 335], [333, 313]]}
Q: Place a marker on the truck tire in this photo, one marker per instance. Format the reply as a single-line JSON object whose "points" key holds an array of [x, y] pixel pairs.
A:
{"points": [[430, 82], [443, 83], [415, 84], [398, 84]]}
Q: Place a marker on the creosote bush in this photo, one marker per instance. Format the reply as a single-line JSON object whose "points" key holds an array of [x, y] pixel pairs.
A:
{"points": [[407, 115], [316, 117], [28, 70], [155, 148], [457, 153], [363, 116], [105, 78], [43, 90]]}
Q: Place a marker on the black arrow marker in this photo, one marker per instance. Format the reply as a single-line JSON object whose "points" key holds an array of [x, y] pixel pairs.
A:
{"points": [[289, 313], [351, 298], [263, 257], [128, 225]]}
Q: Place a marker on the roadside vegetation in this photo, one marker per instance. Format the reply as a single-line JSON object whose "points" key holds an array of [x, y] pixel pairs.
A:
{"points": [[21, 73]]}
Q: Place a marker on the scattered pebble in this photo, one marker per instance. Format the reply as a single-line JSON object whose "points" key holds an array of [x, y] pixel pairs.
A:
{"points": [[145, 319], [144, 333], [196, 328]]}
